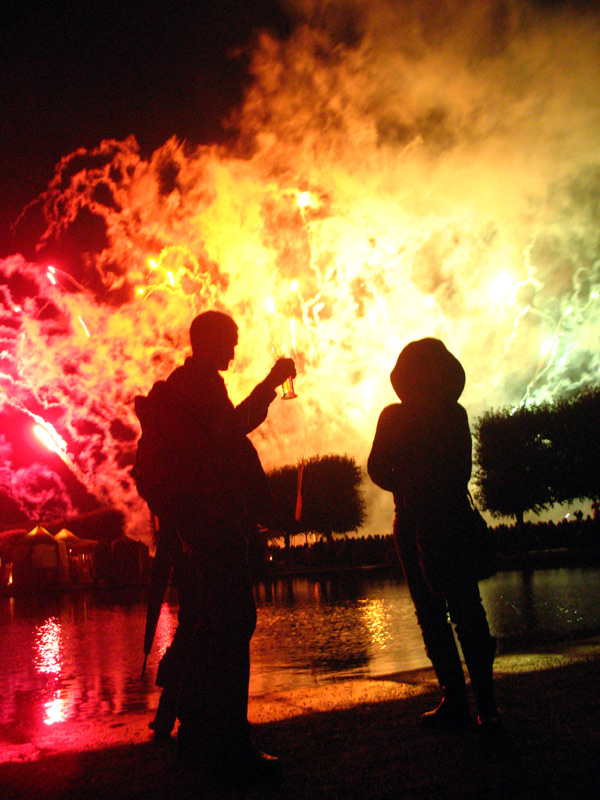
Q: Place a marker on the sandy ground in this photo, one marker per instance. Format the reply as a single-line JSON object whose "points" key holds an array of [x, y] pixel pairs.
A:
{"points": [[357, 738]]}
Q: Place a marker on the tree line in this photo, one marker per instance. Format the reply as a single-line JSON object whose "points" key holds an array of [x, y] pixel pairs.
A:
{"points": [[532, 458], [526, 459]]}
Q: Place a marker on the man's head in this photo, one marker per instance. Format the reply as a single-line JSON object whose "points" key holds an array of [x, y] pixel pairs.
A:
{"points": [[214, 336]]}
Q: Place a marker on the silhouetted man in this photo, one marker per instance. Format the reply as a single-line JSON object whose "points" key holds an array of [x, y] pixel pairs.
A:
{"points": [[220, 495]]}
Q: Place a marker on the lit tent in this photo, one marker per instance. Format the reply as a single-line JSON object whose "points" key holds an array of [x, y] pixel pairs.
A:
{"points": [[40, 559], [80, 554]]}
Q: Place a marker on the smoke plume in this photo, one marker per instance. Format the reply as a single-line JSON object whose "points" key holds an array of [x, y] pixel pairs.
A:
{"points": [[401, 170]]}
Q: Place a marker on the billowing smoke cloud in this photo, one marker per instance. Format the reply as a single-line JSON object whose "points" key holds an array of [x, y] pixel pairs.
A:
{"points": [[402, 170]]}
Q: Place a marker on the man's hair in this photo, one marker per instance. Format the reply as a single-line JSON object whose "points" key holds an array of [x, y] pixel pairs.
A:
{"points": [[211, 327]]}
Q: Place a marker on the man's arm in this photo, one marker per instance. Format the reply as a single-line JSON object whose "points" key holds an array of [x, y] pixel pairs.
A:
{"points": [[253, 411]]}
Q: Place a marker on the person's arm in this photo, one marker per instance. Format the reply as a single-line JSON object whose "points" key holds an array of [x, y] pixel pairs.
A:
{"points": [[382, 464], [253, 411], [465, 448]]}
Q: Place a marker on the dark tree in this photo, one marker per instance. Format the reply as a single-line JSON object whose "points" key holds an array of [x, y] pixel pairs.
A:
{"points": [[331, 498], [515, 462], [531, 458], [576, 433], [283, 484]]}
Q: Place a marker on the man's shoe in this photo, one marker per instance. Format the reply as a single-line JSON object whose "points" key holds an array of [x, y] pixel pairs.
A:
{"points": [[252, 767], [164, 721], [237, 766], [449, 715], [161, 730], [489, 723]]}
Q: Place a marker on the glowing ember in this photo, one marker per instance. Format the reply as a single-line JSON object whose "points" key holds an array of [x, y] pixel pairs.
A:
{"points": [[305, 200]]}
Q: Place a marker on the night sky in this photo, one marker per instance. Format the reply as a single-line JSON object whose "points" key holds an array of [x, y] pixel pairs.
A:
{"points": [[74, 73]]}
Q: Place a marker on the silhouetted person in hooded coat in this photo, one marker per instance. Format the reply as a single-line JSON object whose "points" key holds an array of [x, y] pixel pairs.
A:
{"points": [[422, 453], [222, 493]]}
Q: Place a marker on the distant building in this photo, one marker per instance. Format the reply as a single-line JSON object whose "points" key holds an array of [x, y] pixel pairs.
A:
{"points": [[38, 559]]}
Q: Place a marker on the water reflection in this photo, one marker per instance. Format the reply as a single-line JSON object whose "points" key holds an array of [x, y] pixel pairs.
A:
{"points": [[48, 662], [543, 606], [79, 657], [377, 620], [48, 646]]}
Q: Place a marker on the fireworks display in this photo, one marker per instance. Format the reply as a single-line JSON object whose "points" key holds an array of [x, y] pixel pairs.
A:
{"points": [[430, 175]]}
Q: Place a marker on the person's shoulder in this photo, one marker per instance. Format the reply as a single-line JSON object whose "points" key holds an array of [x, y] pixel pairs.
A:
{"points": [[158, 393], [461, 411], [182, 377], [392, 412]]}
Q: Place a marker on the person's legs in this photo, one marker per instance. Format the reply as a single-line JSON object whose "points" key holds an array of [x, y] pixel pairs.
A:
{"points": [[478, 646], [438, 637], [168, 677], [214, 734], [171, 665], [215, 683]]}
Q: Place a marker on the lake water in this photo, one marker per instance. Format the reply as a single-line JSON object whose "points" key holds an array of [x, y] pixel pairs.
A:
{"points": [[78, 656]]}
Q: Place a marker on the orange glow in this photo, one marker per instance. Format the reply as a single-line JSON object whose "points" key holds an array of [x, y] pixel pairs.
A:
{"points": [[377, 620]]}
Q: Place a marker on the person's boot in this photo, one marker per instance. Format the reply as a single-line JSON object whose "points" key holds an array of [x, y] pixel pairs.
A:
{"points": [[487, 710], [452, 713], [251, 767], [480, 663], [166, 715]]}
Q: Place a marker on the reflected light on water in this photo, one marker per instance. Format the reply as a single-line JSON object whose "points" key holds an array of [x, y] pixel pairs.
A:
{"points": [[79, 659], [377, 621], [55, 710], [49, 647], [48, 661]]}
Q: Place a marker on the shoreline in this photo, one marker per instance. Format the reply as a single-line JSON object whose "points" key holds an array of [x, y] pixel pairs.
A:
{"points": [[130, 728], [361, 740]]}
